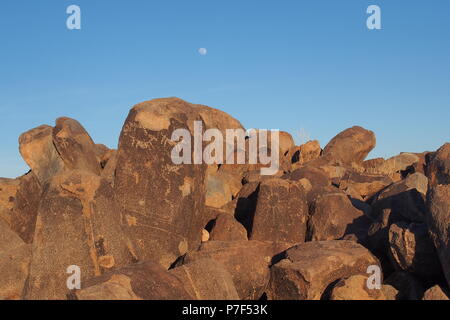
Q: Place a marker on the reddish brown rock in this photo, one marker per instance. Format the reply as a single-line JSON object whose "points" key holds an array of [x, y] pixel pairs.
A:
{"points": [[438, 169], [307, 269], [221, 187], [392, 167], [206, 279], [142, 281], [438, 221], [435, 293], [332, 215], [227, 228], [281, 212], [412, 250], [163, 201], [316, 176], [351, 146], [78, 223], [365, 185], [15, 258], [247, 261], [24, 213], [39, 152], [355, 288], [8, 190], [305, 153], [75, 146]]}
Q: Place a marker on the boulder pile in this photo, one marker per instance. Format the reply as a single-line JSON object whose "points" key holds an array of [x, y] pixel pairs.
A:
{"points": [[328, 225]]}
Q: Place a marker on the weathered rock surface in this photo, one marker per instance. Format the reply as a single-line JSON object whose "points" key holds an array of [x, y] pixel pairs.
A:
{"points": [[8, 190], [142, 281], [306, 270], [435, 293], [75, 146], [15, 258], [226, 228], [412, 250], [332, 216], [438, 221], [206, 279], [364, 185], [78, 223], [221, 187], [163, 201], [281, 212], [25, 210], [438, 169], [355, 288], [247, 261], [351, 146]]}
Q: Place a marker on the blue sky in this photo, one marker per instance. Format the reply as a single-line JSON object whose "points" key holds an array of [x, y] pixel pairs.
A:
{"points": [[288, 65]]}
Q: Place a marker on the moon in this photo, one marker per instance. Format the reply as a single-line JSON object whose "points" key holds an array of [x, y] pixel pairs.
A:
{"points": [[202, 51]]}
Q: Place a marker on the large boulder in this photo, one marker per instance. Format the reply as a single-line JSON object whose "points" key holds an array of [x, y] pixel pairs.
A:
{"points": [[142, 281], [281, 212], [206, 279], [15, 258], [226, 228], [332, 216], [38, 150], [393, 167], [78, 223], [438, 168], [75, 146], [305, 153], [351, 146], [221, 187], [163, 201], [247, 261], [438, 221], [365, 185], [307, 270], [412, 250]]}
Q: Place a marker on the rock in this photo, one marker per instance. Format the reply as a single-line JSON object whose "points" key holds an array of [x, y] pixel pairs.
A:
{"points": [[355, 288], [281, 212], [25, 210], [78, 223], [109, 169], [408, 286], [363, 184], [435, 293], [75, 146], [221, 188], [206, 279], [332, 216], [307, 270], [246, 204], [412, 250], [404, 200], [142, 281], [438, 221], [39, 152], [392, 167], [8, 190], [316, 176], [227, 228], [351, 146], [247, 261], [305, 153], [14, 263], [389, 292], [15, 258], [163, 201], [438, 169]]}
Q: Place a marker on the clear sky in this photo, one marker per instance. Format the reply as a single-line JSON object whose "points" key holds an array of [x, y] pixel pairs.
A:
{"points": [[295, 65]]}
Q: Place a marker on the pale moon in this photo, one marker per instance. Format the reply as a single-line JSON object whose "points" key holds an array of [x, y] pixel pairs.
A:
{"points": [[202, 51]]}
